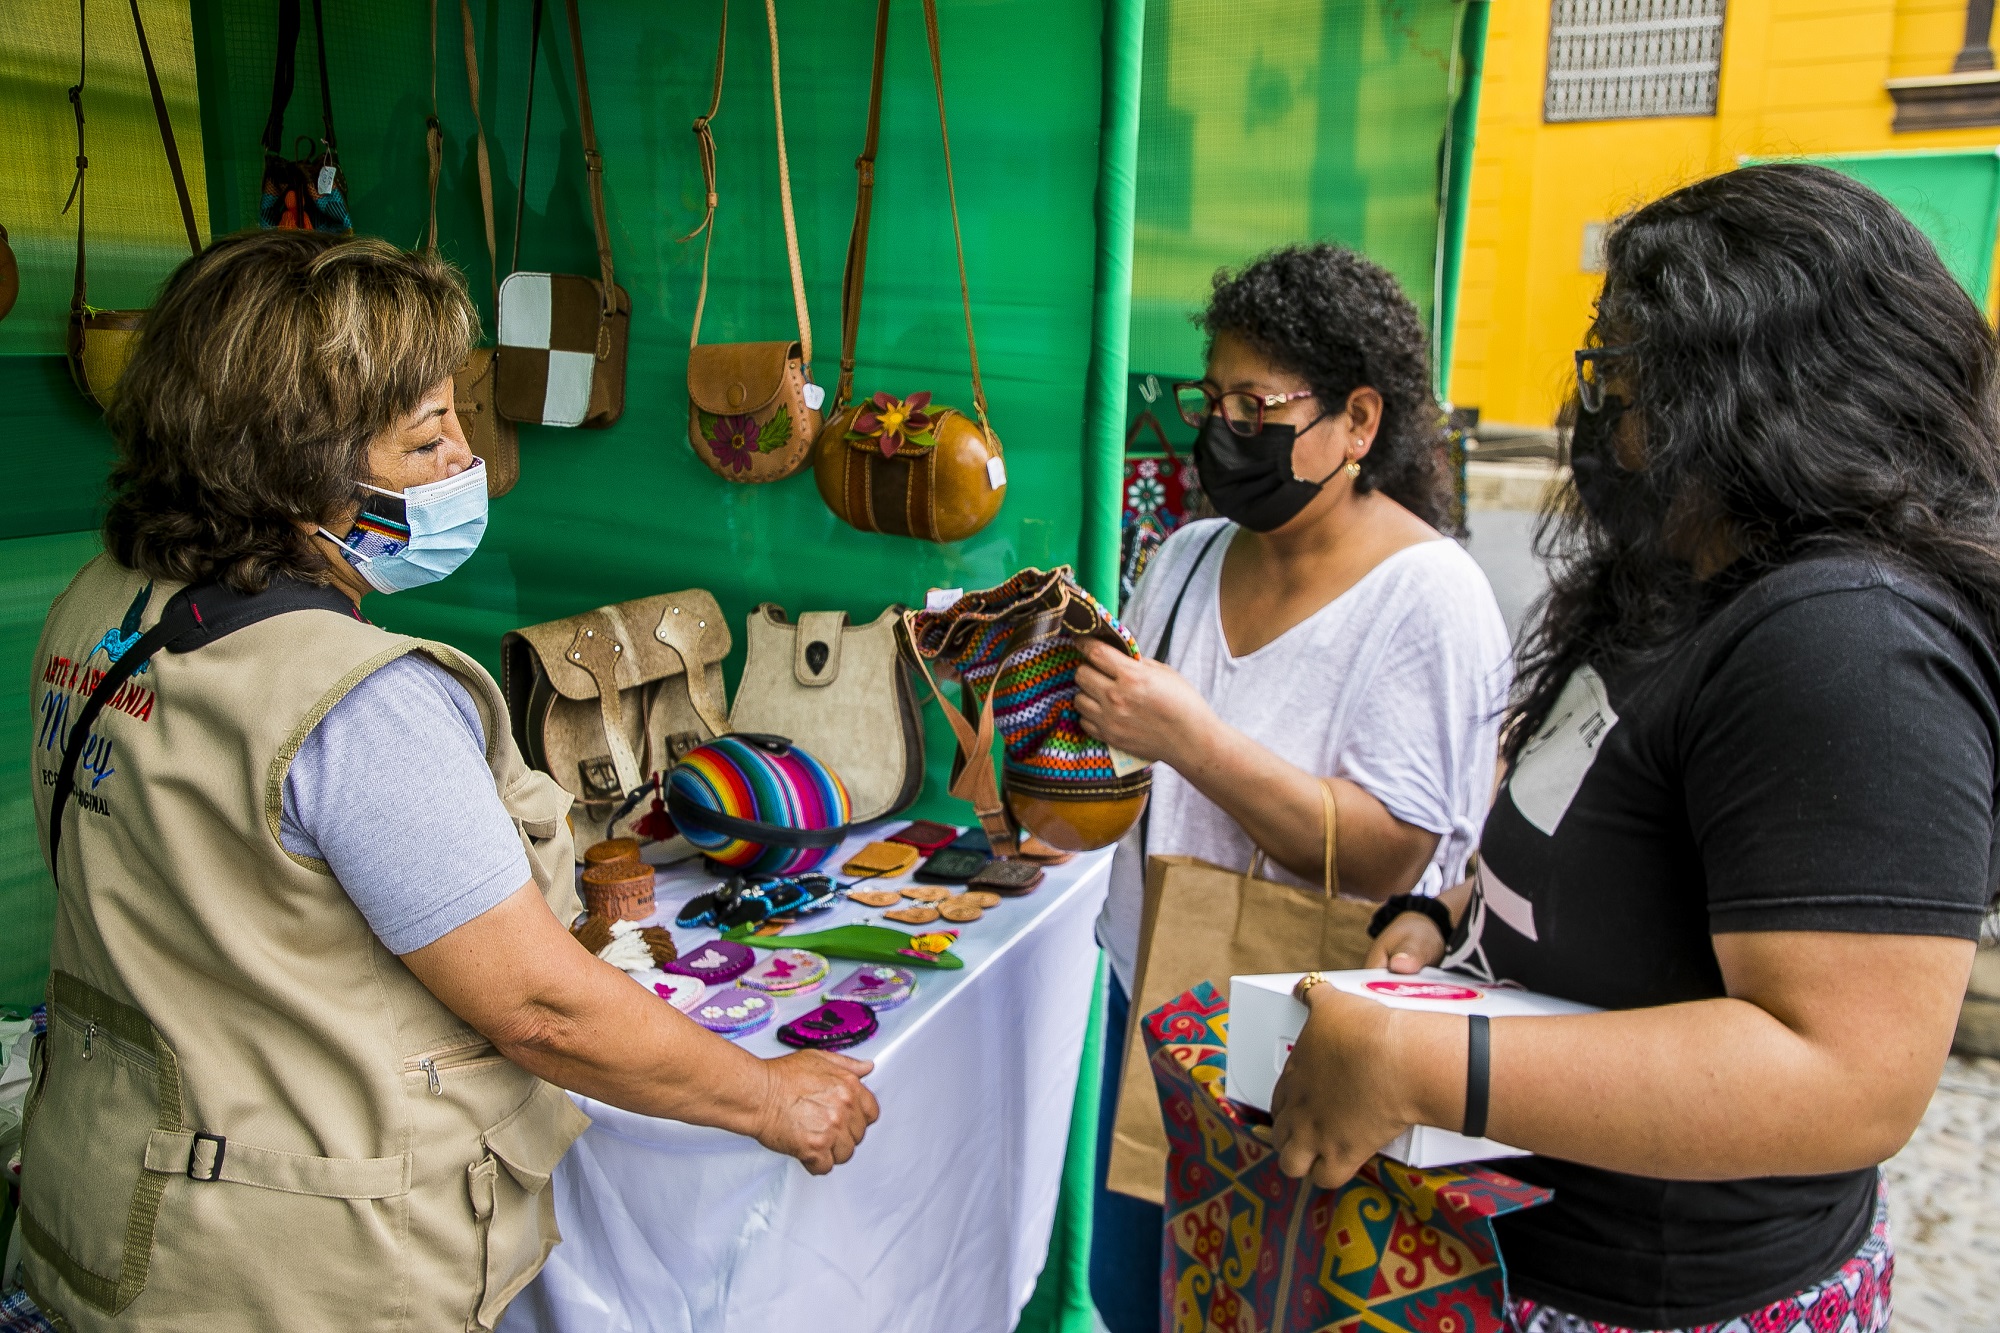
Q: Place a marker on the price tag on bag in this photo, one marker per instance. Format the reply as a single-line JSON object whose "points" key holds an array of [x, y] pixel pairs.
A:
{"points": [[327, 175], [815, 395], [996, 473]]}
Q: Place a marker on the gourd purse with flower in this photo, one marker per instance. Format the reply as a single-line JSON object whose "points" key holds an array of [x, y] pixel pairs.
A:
{"points": [[905, 466]]}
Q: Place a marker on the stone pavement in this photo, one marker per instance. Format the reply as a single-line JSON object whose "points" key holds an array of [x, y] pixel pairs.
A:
{"points": [[1944, 1207]]}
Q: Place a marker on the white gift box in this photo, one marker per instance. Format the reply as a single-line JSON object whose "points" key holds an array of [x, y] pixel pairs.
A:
{"points": [[1264, 1023]]}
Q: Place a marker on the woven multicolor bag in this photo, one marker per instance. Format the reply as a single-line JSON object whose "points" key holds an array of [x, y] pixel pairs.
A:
{"points": [[758, 804], [1014, 651]]}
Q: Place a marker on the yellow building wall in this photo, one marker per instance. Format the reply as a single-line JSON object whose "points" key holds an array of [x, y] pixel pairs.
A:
{"points": [[1798, 76]]}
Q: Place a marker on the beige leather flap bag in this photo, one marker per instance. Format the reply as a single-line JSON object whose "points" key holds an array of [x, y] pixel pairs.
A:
{"points": [[604, 701], [844, 695]]}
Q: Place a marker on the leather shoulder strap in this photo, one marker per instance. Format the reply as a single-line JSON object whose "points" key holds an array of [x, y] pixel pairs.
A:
{"points": [[705, 141], [283, 71], [192, 618], [325, 87], [857, 242], [76, 299], [853, 276], [433, 141], [527, 133], [479, 128], [593, 163]]}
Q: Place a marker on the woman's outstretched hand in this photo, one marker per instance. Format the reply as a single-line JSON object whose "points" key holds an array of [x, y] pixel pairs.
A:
{"points": [[1142, 707], [1333, 1108]]}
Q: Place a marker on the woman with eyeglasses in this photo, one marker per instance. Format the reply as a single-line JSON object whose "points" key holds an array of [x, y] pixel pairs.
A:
{"points": [[1321, 629], [1749, 807]]}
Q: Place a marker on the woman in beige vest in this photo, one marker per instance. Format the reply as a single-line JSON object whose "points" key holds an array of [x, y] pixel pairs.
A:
{"points": [[312, 1003]]}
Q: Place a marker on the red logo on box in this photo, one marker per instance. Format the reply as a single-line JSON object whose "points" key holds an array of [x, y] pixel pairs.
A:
{"points": [[1423, 990]]}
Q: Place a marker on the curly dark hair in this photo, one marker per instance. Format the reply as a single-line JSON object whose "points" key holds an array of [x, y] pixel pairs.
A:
{"points": [[267, 365], [1341, 322], [1803, 375]]}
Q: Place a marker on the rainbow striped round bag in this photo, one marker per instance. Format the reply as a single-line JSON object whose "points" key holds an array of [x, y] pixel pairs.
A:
{"points": [[758, 804], [1013, 650]]}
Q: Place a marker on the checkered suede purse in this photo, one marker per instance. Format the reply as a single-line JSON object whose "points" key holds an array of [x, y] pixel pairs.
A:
{"points": [[1013, 649], [561, 359]]}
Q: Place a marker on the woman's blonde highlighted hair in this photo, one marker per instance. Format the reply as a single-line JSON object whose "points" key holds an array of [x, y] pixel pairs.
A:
{"points": [[261, 374]]}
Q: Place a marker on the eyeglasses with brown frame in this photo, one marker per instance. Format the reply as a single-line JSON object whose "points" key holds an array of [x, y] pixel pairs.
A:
{"points": [[1243, 413]]}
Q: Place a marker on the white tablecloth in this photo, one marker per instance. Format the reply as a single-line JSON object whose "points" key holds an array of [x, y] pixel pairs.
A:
{"points": [[939, 1222]]}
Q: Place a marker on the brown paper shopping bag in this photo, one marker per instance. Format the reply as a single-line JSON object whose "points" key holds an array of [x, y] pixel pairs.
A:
{"points": [[1202, 922]]}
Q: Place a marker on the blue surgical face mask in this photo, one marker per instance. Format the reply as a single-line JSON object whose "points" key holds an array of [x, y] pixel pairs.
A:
{"points": [[418, 536]]}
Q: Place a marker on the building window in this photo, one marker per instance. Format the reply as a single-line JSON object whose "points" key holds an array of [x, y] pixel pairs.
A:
{"points": [[1624, 59]]}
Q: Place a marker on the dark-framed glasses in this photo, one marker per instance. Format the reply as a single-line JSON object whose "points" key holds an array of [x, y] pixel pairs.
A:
{"points": [[1242, 412], [1590, 378]]}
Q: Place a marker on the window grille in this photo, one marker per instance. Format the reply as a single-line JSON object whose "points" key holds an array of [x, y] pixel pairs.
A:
{"points": [[1624, 59]]}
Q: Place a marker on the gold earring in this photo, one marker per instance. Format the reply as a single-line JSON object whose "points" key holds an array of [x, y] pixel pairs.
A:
{"points": [[1353, 468]]}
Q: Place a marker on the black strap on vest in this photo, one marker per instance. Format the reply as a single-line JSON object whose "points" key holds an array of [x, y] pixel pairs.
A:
{"points": [[193, 618]]}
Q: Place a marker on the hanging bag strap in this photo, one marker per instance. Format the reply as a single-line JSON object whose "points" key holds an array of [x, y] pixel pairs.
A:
{"points": [[855, 275], [433, 138], [282, 74], [77, 294], [479, 127], [705, 141], [1159, 433], [527, 127], [325, 87], [593, 166]]}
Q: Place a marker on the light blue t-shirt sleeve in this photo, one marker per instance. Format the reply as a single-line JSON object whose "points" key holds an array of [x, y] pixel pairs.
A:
{"points": [[392, 791]]}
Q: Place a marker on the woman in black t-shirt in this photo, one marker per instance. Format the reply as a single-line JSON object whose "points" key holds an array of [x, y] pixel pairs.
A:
{"points": [[1749, 806]]}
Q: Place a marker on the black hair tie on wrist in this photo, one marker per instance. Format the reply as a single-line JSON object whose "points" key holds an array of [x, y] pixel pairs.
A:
{"points": [[1478, 1074], [1422, 904]]}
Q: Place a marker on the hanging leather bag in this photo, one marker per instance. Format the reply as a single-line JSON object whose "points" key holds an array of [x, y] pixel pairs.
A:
{"points": [[842, 692], [562, 336], [98, 342], [606, 701], [906, 466], [1013, 650], [753, 410], [306, 192], [491, 436]]}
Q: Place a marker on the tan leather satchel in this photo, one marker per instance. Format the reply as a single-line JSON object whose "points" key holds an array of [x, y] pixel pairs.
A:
{"points": [[606, 701], [753, 410], [493, 438], [904, 466], [844, 694], [99, 342], [563, 336]]}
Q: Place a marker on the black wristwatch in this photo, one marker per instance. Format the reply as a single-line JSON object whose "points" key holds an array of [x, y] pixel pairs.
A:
{"points": [[1423, 904]]}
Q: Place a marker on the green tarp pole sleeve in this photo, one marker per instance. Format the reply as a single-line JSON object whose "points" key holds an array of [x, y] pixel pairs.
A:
{"points": [[1458, 181], [1111, 311]]}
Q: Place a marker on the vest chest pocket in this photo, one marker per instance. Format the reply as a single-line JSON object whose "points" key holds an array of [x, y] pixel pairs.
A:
{"points": [[511, 1203], [87, 1201]]}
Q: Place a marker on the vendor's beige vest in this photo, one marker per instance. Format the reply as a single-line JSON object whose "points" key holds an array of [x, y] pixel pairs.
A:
{"points": [[374, 1163]]}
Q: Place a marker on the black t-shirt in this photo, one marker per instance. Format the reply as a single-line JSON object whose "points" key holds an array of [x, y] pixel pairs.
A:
{"points": [[1819, 755]]}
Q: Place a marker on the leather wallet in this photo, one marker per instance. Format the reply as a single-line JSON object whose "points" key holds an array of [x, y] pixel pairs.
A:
{"points": [[1009, 877], [879, 859], [925, 835], [952, 865]]}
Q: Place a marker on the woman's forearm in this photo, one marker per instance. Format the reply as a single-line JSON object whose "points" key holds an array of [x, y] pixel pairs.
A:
{"points": [[608, 1039], [1278, 805], [1715, 1089]]}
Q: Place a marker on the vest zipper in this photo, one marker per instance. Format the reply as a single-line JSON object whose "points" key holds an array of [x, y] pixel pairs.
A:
{"points": [[89, 1036], [466, 1053]]}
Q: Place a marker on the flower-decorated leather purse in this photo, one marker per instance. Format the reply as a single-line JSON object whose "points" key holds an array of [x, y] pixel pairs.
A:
{"points": [[753, 410], [1013, 649], [905, 466]]}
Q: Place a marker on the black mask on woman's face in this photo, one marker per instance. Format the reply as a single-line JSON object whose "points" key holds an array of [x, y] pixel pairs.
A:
{"points": [[1249, 477], [1612, 494]]}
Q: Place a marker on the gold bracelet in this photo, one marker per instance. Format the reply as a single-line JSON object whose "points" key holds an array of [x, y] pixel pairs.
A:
{"points": [[1306, 983]]}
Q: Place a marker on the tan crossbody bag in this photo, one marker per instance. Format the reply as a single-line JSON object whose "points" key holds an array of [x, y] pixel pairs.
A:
{"points": [[753, 410], [605, 701]]}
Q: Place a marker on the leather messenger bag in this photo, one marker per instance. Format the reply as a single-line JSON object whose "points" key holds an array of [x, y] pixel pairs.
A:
{"points": [[606, 701]]}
